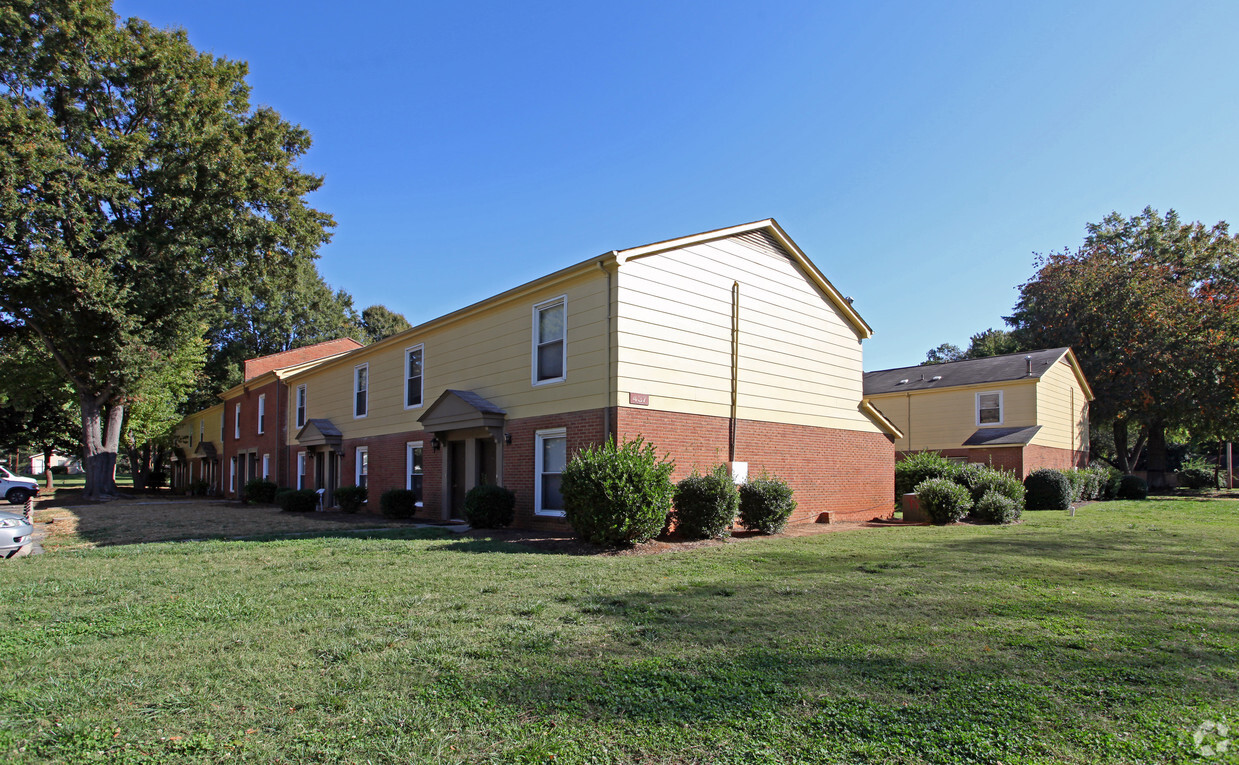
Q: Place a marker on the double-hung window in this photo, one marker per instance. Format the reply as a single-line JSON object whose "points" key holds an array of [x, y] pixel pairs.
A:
{"points": [[236, 422], [413, 470], [300, 406], [549, 461], [301, 470], [201, 431], [989, 408], [232, 474], [262, 413], [361, 390], [413, 376], [550, 347], [266, 467], [363, 466]]}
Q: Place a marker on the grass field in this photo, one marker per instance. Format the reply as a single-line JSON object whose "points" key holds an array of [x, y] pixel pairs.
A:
{"points": [[1110, 637]]}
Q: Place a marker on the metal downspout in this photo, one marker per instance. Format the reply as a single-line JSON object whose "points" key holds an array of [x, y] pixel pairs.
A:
{"points": [[735, 368]]}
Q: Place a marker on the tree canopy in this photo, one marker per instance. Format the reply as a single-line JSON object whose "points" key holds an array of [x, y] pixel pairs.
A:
{"points": [[379, 321], [135, 180], [1148, 303], [991, 342]]}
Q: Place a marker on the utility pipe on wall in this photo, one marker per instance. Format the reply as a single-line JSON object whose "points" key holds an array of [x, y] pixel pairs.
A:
{"points": [[735, 368]]}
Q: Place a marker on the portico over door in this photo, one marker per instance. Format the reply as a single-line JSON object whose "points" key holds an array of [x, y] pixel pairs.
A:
{"points": [[471, 430]]}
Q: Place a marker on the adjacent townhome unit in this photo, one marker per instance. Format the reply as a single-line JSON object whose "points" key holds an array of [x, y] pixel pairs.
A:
{"points": [[727, 347], [1020, 412], [250, 424]]}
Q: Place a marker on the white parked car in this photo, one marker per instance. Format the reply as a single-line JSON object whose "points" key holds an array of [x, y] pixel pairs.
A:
{"points": [[15, 532], [17, 489]]}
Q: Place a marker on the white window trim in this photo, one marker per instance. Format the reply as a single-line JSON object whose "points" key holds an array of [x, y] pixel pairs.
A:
{"points": [[262, 413], [357, 465], [301, 461], [266, 467], [201, 431], [223, 419], [539, 437], [1002, 415], [422, 397], [232, 477], [301, 406], [236, 422], [533, 356], [408, 464], [356, 369]]}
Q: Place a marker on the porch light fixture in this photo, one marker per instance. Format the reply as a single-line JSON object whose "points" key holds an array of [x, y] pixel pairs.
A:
{"points": [[434, 443], [507, 438]]}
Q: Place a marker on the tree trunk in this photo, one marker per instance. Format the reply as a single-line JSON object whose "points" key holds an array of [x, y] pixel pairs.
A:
{"points": [[48, 482], [1127, 457], [100, 443], [1157, 456], [140, 466]]}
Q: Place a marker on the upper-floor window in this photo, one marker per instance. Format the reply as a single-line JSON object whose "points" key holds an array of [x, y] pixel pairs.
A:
{"points": [[361, 389], [550, 348], [300, 406], [262, 414], [236, 421], [989, 408], [413, 376], [201, 431], [222, 417]]}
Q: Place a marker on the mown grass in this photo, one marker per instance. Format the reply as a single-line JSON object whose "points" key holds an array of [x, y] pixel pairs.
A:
{"points": [[1105, 638]]}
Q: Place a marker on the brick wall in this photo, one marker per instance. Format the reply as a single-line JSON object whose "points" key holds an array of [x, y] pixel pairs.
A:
{"points": [[1003, 457], [844, 472], [270, 442], [1037, 457]]}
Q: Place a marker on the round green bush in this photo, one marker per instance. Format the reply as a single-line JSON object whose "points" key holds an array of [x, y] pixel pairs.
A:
{"points": [[996, 508], [944, 500], [1196, 478], [1133, 487], [1047, 489], [260, 491], [351, 498], [765, 504], [705, 505], [1000, 481], [298, 500], [398, 503], [914, 468], [490, 507], [617, 494]]}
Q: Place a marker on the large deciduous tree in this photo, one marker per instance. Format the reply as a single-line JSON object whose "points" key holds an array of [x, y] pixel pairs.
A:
{"points": [[135, 180], [36, 405], [991, 342], [379, 321], [1149, 305]]}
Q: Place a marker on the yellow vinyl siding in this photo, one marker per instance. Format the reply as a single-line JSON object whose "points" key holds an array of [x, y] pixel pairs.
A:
{"points": [[1063, 408], [799, 357], [487, 352], [944, 419]]}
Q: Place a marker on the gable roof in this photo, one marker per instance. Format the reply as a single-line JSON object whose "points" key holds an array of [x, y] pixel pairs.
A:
{"points": [[455, 409], [261, 365], [616, 258], [1002, 436], [993, 369]]}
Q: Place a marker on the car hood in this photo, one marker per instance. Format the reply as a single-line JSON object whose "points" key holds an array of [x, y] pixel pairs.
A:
{"points": [[20, 481], [16, 516]]}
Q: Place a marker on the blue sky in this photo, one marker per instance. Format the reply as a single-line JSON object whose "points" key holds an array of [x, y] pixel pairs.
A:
{"points": [[920, 153]]}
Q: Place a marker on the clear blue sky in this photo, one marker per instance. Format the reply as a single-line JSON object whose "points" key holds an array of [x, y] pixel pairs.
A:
{"points": [[920, 153]]}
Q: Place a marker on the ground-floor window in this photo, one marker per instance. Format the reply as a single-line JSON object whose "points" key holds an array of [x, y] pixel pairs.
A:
{"points": [[301, 470], [266, 467], [363, 466], [413, 471], [232, 475], [549, 461]]}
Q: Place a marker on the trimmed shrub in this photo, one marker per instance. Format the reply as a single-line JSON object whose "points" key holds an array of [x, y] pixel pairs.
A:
{"points": [[705, 505], [1196, 475], [490, 507], [200, 488], [997, 508], [1047, 489], [298, 500], [617, 494], [765, 504], [1000, 481], [351, 498], [260, 491], [944, 500], [1111, 478], [58, 470], [1133, 487], [1079, 483], [398, 503], [914, 468]]}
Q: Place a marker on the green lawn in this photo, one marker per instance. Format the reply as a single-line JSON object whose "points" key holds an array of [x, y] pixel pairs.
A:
{"points": [[1109, 637]]}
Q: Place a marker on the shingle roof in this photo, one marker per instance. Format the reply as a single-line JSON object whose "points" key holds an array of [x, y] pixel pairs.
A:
{"points": [[1002, 436], [476, 401], [1013, 366]]}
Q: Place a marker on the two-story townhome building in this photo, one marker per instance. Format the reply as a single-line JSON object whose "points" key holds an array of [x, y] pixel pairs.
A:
{"points": [[727, 347], [197, 456], [1020, 412]]}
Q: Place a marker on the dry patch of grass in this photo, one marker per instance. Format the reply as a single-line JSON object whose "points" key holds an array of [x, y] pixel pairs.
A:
{"points": [[166, 519]]}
